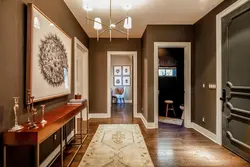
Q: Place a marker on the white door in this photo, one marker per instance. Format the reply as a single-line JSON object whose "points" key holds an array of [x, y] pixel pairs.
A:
{"points": [[81, 74]]}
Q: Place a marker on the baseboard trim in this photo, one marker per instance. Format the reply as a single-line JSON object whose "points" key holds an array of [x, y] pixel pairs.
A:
{"points": [[148, 125], [128, 101], [98, 115], [204, 131]]}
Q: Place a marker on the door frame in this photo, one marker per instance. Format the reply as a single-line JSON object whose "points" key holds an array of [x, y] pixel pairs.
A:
{"points": [[86, 53], [219, 17], [187, 78], [122, 53]]}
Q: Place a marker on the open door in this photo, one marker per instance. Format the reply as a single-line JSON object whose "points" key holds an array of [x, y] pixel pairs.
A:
{"points": [[236, 81]]}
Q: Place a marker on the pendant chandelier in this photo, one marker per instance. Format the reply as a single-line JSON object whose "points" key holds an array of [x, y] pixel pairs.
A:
{"points": [[98, 25]]}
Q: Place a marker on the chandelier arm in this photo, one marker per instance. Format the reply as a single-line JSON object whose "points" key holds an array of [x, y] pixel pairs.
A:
{"points": [[121, 20], [97, 21], [120, 31]]}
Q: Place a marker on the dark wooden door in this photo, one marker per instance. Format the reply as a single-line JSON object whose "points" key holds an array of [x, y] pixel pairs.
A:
{"points": [[236, 81]]}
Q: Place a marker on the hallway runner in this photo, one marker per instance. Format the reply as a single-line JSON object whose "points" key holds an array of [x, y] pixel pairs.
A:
{"points": [[117, 145]]}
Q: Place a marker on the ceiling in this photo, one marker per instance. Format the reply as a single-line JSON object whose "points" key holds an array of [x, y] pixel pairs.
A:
{"points": [[143, 13]]}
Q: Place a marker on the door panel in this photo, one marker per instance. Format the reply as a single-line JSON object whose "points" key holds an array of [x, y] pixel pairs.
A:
{"points": [[236, 81]]}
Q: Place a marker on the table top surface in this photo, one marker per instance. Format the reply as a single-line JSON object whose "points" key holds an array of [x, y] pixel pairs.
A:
{"points": [[55, 118]]}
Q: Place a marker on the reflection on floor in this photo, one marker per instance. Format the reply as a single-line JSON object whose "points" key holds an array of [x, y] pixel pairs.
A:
{"points": [[122, 111], [170, 145]]}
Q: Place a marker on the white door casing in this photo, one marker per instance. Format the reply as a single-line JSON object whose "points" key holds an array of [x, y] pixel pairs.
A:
{"points": [[81, 73], [187, 78]]}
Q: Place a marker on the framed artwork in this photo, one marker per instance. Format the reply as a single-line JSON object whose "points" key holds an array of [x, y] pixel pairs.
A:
{"points": [[117, 70], [48, 57], [117, 81], [126, 70], [126, 81]]}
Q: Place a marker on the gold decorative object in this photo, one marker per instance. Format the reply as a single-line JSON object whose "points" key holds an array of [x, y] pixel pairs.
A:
{"points": [[28, 105], [16, 127], [33, 112], [43, 121]]}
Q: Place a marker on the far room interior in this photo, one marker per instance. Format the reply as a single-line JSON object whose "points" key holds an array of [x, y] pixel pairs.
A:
{"points": [[122, 86], [171, 86]]}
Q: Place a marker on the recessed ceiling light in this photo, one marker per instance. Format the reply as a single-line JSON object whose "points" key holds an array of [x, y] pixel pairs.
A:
{"points": [[127, 6], [87, 8]]}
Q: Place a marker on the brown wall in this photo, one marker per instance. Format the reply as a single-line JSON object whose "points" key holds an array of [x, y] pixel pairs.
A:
{"points": [[12, 51], [205, 68], [159, 33], [98, 69]]}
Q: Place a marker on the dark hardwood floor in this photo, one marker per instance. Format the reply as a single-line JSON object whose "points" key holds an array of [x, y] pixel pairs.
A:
{"points": [[170, 145]]}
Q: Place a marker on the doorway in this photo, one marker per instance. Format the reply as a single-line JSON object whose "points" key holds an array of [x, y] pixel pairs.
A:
{"points": [[171, 86], [122, 84], [81, 80], [187, 79], [233, 117]]}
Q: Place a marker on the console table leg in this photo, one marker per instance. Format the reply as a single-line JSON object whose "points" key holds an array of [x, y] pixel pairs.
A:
{"points": [[4, 156], [81, 125], [37, 155], [61, 147]]}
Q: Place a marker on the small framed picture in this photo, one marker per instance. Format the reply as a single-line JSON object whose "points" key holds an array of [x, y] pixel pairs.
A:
{"points": [[126, 70], [117, 70], [126, 81], [117, 81]]}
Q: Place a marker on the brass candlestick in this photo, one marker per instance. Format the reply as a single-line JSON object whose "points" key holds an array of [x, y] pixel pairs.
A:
{"points": [[33, 112], [16, 127], [28, 105], [43, 121]]}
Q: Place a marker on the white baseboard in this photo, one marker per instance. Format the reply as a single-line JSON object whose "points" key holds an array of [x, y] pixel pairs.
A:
{"points": [[204, 131], [98, 115], [148, 125], [128, 101]]}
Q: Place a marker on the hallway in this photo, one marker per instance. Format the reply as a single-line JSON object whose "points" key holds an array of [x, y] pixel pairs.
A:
{"points": [[169, 145]]}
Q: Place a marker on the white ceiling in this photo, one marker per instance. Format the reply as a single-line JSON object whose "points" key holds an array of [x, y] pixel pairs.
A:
{"points": [[143, 13]]}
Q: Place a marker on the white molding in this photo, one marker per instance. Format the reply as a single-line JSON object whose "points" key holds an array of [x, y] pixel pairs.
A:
{"points": [[99, 115], [148, 125], [135, 84], [187, 78], [204, 131], [86, 53], [128, 101], [225, 12]]}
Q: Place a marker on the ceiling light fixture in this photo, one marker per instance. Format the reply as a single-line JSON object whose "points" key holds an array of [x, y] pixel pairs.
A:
{"points": [[111, 26]]}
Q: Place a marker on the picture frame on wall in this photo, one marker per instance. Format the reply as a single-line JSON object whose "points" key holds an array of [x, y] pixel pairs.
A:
{"points": [[118, 81], [49, 54], [126, 81], [126, 70], [117, 70]]}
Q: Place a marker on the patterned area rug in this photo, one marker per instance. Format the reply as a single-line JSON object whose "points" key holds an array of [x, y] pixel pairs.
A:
{"points": [[168, 120], [117, 145]]}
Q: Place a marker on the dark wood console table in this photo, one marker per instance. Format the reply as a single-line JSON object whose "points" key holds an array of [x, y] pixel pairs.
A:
{"points": [[56, 120]]}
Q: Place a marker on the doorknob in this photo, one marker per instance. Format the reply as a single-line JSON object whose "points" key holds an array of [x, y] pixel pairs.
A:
{"points": [[223, 98]]}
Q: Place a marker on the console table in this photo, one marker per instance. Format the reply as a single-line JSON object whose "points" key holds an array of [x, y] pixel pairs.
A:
{"points": [[31, 140]]}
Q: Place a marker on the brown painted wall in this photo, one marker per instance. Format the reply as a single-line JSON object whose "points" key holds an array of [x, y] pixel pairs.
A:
{"points": [[205, 68], [98, 69], [160, 33], [12, 51]]}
